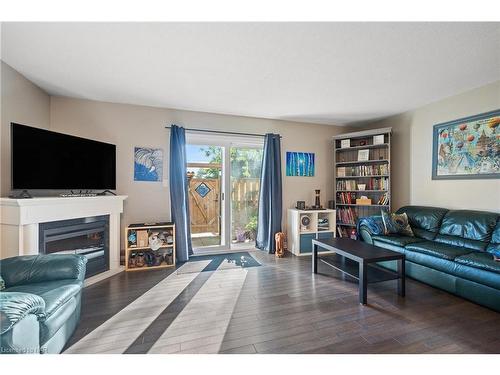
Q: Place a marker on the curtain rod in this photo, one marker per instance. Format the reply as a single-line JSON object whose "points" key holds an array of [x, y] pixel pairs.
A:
{"points": [[221, 132]]}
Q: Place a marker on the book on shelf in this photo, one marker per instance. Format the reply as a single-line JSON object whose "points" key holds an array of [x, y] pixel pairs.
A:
{"points": [[373, 183], [363, 170], [384, 199], [346, 198], [346, 215]]}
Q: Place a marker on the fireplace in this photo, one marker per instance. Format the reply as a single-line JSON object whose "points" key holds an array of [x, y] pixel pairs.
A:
{"points": [[85, 236]]}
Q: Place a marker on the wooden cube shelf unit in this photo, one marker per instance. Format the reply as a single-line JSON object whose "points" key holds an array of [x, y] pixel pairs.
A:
{"points": [[163, 230]]}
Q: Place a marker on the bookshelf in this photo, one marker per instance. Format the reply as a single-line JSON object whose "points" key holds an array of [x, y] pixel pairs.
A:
{"points": [[138, 248], [362, 167]]}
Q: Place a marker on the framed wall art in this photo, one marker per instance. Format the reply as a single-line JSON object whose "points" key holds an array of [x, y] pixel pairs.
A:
{"points": [[467, 148], [300, 164], [148, 164]]}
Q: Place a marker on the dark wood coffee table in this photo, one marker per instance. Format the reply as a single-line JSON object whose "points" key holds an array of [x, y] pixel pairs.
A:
{"points": [[349, 252]]}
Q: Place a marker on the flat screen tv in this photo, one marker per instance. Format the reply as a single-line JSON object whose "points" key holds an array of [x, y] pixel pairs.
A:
{"points": [[43, 159]]}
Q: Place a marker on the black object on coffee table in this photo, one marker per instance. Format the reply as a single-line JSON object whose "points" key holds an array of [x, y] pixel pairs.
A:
{"points": [[349, 252]]}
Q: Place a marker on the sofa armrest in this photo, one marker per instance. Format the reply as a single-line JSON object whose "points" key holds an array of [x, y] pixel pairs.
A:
{"points": [[39, 268], [370, 226], [15, 306]]}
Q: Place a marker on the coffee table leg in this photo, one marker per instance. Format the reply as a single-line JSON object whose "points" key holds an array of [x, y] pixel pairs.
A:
{"points": [[363, 283], [402, 277], [315, 258]]}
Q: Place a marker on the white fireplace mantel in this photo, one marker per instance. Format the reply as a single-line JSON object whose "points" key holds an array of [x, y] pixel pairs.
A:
{"points": [[19, 219]]}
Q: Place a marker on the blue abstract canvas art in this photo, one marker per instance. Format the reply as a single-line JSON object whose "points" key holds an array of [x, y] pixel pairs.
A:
{"points": [[300, 164], [148, 164]]}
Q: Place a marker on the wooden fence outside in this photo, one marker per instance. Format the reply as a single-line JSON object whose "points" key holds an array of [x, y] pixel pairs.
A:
{"points": [[205, 210]]}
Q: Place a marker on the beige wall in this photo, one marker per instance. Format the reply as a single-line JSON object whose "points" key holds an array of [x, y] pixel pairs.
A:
{"points": [[21, 102], [130, 125], [412, 154]]}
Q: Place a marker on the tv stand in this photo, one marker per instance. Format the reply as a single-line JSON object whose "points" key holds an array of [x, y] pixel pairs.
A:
{"points": [[106, 192], [22, 195]]}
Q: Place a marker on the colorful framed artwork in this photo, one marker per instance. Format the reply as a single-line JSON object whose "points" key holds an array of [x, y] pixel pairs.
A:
{"points": [[300, 164], [467, 148], [148, 164]]}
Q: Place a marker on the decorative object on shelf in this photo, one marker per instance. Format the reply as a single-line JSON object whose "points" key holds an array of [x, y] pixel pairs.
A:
{"points": [[158, 258], [280, 244], [305, 221], [132, 238], [345, 143], [140, 260], [353, 234], [300, 164], [467, 148], [364, 201], [142, 238], [148, 164], [363, 155], [317, 202], [154, 241], [361, 187], [131, 260], [301, 205], [378, 139], [362, 143], [331, 205]]}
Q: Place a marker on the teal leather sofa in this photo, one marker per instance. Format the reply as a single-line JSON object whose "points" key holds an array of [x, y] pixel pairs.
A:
{"points": [[40, 305], [452, 250]]}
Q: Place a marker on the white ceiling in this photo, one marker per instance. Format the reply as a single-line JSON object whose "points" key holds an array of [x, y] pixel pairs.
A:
{"points": [[333, 73]]}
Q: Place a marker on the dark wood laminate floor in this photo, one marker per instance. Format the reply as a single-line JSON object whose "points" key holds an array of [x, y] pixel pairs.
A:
{"points": [[208, 306]]}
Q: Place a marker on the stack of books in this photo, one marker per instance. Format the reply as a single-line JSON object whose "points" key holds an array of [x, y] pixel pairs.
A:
{"points": [[347, 185], [346, 198], [363, 170], [346, 216]]}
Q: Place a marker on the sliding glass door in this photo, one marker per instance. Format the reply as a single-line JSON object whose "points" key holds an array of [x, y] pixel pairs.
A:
{"points": [[223, 175], [205, 184], [245, 182]]}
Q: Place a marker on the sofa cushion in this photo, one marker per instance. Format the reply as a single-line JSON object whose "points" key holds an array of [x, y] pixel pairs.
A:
{"points": [[436, 249], [481, 260], [397, 240], [466, 228], [54, 293], [424, 221], [494, 245], [396, 224], [30, 269]]}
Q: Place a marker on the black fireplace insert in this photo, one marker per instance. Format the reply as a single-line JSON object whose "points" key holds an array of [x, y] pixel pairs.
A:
{"points": [[86, 236]]}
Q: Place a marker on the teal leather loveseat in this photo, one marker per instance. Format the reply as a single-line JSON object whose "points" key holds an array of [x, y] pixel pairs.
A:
{"points": [[40, 305], [452, 250]]}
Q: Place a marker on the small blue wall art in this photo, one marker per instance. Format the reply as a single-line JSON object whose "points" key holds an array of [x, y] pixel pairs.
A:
{"points": [[300, 164], [148, 164]]}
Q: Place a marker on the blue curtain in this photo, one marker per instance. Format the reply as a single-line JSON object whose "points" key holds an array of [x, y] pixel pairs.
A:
{"points": [[270, 204], [179, 193]]}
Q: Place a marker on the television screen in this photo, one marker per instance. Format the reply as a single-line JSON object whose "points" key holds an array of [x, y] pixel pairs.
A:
{"points": [[43, 159]]}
